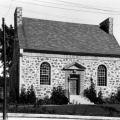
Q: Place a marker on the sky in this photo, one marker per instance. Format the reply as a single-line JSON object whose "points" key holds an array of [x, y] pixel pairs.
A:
{"points": [[78, 11]]}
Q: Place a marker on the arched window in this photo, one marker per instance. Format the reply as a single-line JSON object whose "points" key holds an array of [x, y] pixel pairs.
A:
{"points": [[102, 75], [45, 71]]}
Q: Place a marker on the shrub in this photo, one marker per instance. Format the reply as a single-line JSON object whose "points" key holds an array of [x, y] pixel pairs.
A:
{"points": [[58, 96], [45, 101], [23, 96], [27, 97], [112, 99], [90, 92], [118, 96], [12, 98], [40, 102], [100, 98], [31, 97]]}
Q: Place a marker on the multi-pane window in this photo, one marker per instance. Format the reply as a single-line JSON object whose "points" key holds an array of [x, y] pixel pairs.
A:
{"points": [[102, 75], [45, 73]]}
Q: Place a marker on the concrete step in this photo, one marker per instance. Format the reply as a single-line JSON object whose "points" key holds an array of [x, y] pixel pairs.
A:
{"points": [[79, 99]]}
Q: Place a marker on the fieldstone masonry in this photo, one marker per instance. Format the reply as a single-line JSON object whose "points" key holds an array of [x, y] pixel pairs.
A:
{"points": [[30, 72]]}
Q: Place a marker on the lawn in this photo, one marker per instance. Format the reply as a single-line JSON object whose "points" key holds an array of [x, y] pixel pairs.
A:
{"points": [[92, 110]]}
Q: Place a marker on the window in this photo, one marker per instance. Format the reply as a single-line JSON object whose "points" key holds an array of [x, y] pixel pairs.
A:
{"points": [[45, 73], [102, 75]]}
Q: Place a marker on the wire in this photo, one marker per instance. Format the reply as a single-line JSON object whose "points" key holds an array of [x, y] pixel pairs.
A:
{"points": [[28, 10], [2, 6], [80, 5], [63, 8], [58, 16], [8, 10], [46, 14], [49, 2], [90, 7], [67, 8]]}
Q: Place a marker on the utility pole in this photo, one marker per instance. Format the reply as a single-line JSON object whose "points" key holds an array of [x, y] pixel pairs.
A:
{"points": [[4, 89]]}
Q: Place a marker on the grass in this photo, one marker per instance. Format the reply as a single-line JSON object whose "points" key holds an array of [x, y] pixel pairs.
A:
{"points": [[92, 110]]}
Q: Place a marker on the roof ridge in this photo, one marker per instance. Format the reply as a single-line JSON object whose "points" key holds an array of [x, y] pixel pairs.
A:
{"points": [[61, 21]]}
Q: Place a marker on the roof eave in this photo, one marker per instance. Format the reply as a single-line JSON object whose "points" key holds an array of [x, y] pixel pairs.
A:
{"points": [[71, 53]]}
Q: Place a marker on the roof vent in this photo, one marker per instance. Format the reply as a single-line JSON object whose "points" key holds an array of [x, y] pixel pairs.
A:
{"points": [[107, 25]]}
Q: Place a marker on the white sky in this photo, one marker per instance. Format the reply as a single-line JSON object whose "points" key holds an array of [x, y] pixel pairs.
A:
{"points": [[79, 11]]}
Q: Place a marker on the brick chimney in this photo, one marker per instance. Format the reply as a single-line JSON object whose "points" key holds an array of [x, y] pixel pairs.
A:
{"points": [[107, 25], [17, 18]]}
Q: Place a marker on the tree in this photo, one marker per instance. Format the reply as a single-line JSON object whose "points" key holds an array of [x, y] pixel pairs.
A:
{"points": [[9, 37]]}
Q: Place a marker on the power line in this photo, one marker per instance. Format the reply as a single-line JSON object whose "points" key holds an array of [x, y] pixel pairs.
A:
{"points": [[58, 16], [77, 10], [80, 5], [8, 9], [28, 10], [50, 2], [90, 7]]}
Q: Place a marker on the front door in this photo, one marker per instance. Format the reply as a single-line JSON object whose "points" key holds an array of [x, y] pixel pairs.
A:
{"points": [[74, 85]]}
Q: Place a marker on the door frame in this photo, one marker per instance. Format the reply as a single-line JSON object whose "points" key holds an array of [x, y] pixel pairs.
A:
{"points": [[77, 77]]}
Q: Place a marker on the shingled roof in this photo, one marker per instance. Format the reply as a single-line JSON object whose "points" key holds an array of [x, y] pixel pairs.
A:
{"points": [[56, 36]]}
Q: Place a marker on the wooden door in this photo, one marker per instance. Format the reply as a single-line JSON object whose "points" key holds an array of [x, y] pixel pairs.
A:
{"points": [[73, 87]]}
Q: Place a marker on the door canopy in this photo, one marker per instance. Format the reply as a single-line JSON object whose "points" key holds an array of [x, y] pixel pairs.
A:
{"points": [[74, 66]]}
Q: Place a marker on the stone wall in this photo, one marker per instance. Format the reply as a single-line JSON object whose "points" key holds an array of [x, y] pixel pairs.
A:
{"points": [[30, 71]]}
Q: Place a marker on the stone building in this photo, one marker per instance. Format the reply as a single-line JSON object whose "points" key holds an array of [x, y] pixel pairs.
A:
{"points": [[51, 53]]}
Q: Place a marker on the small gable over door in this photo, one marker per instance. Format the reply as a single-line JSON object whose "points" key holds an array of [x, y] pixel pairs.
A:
{"points": [[74, 66]]}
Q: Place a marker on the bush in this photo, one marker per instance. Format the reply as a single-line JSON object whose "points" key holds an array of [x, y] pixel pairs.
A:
{"points": [[100, 98], [90, 92], [12, 98], [45, 101], [23, 96], [28, 97], [40, 102], [112, 99], [31, 97], [118, 96], [58, 96]]}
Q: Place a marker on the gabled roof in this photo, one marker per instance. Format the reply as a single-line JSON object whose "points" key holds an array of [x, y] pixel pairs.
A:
{"points": [[56, 36]]}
